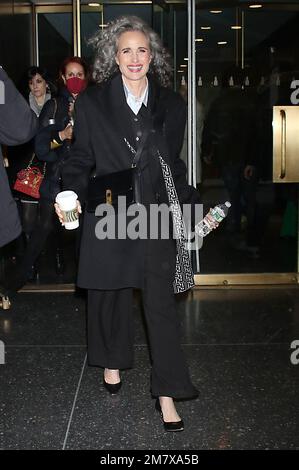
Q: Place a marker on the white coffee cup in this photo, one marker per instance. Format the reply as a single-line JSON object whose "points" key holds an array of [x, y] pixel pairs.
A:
{"points": [[67, 201]]}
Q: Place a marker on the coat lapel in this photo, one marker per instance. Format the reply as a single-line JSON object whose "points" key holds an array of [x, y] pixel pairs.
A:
{"points": [[158, 107], [120, 116]]}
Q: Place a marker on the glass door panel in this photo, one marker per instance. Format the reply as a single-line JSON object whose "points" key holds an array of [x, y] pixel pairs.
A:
{"points": [[55, 39], [246, 61], [91, 20], [15, 41]]}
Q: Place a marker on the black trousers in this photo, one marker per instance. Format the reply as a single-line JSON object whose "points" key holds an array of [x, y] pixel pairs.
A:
{"points": [[111, 338]]}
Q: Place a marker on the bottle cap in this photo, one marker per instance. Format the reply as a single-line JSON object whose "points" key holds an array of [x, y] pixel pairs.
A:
{"points": [[228, 204]]}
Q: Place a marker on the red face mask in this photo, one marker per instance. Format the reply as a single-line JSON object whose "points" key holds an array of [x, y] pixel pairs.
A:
{"points": [[75, 85]]}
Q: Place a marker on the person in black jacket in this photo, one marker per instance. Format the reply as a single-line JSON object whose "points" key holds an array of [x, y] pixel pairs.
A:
{"points": [[52, 145], [37, 92], [18, 124], [133, 111]]}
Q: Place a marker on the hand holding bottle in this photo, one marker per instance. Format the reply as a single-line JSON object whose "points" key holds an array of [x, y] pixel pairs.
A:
{"points": [[212, 219]]}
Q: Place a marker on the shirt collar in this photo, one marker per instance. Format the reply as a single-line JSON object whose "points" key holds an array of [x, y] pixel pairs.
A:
{"points": [[136, 102]]}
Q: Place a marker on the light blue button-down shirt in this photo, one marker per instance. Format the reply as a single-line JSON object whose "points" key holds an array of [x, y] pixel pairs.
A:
{"points": [[136, 103]]}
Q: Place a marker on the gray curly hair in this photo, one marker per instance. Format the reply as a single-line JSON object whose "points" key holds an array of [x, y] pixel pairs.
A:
{"points": [[105, 44]]}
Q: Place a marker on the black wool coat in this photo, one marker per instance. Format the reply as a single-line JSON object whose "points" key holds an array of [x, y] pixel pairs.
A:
{"points": [[102, 120]]}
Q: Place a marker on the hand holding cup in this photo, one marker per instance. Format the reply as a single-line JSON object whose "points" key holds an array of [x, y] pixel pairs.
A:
{"points": [[68, 208]]}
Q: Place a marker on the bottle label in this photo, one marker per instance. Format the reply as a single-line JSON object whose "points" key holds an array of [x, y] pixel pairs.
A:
{"points": [[218, 214]]}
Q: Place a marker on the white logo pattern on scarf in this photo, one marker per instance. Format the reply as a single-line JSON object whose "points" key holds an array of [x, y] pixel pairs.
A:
{"points": [[184, 277]]}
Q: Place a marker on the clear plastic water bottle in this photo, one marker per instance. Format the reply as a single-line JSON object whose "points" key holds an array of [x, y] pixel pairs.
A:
{"points": [[218, 213]]}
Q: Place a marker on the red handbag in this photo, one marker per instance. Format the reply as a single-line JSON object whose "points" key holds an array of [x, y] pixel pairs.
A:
{"points": [[29, 180]]}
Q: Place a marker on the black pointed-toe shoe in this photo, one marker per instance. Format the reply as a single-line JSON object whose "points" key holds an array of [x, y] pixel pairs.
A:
{"points": [[169, 425], [113, 389]]}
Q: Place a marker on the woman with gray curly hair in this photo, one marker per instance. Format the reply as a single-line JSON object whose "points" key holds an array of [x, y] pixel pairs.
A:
{"points": [[129, 130], [106, 45]]}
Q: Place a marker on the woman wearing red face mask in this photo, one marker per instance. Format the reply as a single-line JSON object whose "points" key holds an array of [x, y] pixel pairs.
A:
{"points": [[52, 145]]}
